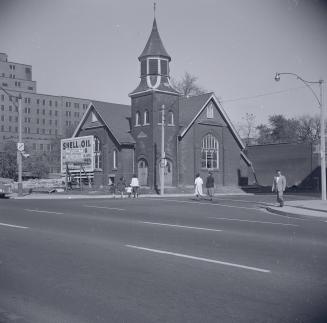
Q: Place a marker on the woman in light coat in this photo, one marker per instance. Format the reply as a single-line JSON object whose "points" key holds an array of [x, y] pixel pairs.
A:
{"points": [[198, 186]]}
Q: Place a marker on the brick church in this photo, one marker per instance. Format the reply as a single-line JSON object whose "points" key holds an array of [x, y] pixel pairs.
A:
{"points": [[199, 136]]}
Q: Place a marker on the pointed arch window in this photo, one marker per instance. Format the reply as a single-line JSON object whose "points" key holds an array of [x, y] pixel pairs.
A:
{"points": [[114, 159], [210, 152], [146, 118], [137, 119], [171, 118], [97, 153], [210, 111]]}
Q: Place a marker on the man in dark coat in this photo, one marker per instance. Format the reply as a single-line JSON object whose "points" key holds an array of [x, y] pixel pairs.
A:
{"points": [[210, 186]]}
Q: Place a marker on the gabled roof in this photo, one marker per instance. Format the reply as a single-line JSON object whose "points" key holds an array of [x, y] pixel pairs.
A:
{"points": [[116, 118], [190, 108], [154, 46]]}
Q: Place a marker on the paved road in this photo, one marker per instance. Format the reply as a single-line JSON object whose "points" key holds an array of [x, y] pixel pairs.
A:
{"points": [[159, 260]]}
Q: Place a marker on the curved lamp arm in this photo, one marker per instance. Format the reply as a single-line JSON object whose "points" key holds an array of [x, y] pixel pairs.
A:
{"points": [[306, 83]]}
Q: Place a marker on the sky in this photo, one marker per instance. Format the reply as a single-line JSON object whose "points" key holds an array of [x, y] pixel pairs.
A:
{"points": [[89, 49]]}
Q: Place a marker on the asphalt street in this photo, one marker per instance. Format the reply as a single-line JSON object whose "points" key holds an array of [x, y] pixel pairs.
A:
{"points": [[160, 260]]}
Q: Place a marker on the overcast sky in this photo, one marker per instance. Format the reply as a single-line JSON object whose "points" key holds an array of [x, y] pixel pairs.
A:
{"points": [[89, 49]]}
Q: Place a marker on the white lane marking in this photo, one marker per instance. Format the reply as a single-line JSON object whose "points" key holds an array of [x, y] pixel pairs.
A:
{"points": [[43, 211], [13, 226], [210, 204], [104, 207], [180, 226], [253, 221], [214, 261]]}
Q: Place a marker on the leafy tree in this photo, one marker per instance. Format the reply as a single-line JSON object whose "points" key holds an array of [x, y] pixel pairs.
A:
{"points": [[187, 85], [309, 129], [37, 165], [9, 161], [281, 129]]}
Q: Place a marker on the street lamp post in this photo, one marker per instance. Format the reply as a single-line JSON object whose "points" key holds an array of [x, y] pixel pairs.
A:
{"points": [[20, 145], [320, 101]]}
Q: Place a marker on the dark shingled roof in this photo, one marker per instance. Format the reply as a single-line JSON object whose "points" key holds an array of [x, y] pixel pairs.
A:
{"points": [[116, 118], [154, 46], [189, 107]]}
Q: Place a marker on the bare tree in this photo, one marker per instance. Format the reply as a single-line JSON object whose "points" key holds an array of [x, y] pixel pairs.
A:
{"points": [[187, 86], [247, 128]]}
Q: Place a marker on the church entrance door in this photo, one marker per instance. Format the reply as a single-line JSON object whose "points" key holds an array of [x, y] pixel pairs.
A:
{"points": [[142, 172], [168, 173]]}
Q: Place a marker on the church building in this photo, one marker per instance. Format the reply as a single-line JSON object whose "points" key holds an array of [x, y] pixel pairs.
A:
{"points": [[198, 135]]}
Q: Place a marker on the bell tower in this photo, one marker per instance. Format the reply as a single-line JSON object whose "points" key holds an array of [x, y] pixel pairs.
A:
{"points": [[154, 92]]}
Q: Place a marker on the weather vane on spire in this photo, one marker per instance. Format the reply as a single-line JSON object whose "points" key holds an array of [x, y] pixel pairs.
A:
{"points": [[154, 8]]}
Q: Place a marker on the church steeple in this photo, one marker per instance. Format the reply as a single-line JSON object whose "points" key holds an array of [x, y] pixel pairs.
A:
{"points": [[154, 45], [154, 61]]}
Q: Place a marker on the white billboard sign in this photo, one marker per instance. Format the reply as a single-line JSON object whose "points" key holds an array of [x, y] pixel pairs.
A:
{"points": [[77, 152]]}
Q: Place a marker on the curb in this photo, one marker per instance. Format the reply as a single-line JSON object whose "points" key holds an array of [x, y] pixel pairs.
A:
{"points": [[295, 215], [66, 197]]}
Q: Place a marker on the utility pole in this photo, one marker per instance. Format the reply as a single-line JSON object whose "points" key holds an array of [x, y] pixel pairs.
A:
{"points": [[162, 159], [322, 142], [19, 152], [20, 144]]}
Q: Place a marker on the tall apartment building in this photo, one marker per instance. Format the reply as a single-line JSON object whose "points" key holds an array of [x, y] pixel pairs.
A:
{"points": [[44, 117]]}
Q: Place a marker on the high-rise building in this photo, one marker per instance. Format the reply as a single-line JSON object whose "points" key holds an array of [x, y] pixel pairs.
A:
{"points": [[44, 117]]}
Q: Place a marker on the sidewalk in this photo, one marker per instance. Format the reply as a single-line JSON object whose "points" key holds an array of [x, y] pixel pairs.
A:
{"points": [[54, 196], [314, 209]]}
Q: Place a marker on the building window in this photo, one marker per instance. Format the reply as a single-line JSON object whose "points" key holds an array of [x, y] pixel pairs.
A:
{"points": [[37, 101], [143, 67], [137, 119], [93, 117], [164, 67], [114, 159], [153, 66], [210, 152], [146, 117], [97, 153], [210, 111], [171, 118]]}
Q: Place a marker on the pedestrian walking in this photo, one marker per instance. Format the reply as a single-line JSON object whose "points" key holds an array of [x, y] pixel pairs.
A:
{"points": [[129, 191], [198, 186], [112, 186], [210, 185], [279, 186], [135, 186], [121, 186]]}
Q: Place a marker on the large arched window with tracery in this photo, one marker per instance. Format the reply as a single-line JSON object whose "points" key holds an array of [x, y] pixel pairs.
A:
{"points": [[210, 152], [97, 153]]}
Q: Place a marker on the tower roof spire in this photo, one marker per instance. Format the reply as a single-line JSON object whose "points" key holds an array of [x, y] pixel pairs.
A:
{"points": [[154, 45]]}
